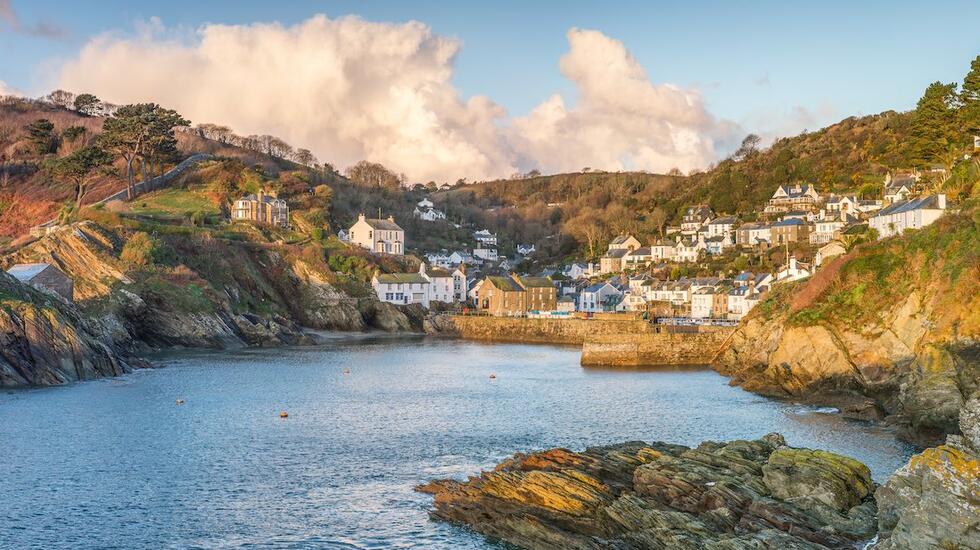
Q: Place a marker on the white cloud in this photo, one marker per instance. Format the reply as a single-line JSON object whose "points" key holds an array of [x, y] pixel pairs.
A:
{"points": [[7, 90], [350, 89], [621, 120]]}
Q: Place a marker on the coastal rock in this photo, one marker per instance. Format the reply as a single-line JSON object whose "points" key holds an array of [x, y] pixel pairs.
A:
{"points": [[741, 494], [933, 502], [44, 341]]}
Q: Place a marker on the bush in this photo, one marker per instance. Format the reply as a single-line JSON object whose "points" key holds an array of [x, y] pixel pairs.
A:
{"points": [[143, 250]]}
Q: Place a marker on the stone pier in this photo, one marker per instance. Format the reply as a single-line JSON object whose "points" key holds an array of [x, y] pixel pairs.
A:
{"points": [[610, 341]]}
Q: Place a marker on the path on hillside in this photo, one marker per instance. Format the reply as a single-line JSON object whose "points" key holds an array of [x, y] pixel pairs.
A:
{"points": [[150, 184]]}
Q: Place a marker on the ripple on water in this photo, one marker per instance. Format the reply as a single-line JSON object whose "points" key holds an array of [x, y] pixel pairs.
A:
{"points": [[118, 463]]}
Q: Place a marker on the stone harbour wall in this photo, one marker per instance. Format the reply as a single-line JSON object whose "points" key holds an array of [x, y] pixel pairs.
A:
{"points": [[663, 348], [542, 331], [611, 341]]}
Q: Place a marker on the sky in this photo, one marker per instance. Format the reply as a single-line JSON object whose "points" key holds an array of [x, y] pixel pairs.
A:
{"points": [[460, 89]]}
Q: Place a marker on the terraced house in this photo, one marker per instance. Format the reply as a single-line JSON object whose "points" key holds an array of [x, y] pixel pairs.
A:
{"points": [[424, 287]]}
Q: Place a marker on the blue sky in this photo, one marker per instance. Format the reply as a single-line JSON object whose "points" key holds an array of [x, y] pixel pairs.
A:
{"points": [[763, 59], [769, 67]]}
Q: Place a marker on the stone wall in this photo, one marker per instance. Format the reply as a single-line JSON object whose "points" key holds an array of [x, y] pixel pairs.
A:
{"points": [[656, 348], [612, 341], [545, 331]]}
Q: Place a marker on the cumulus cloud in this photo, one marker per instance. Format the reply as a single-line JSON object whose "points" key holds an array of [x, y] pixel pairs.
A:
{"points": [[621, 121], [10, 20], [351, 89], [6, 90]]}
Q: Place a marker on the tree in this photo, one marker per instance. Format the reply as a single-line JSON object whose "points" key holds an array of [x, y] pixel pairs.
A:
{"points": [[675, 171], [72, 134], [40, 134], [658, 218], [135, 131], [61, 98], [372, 174], [933, 128], [304, 157], [749, 146], [86, 104], [970, 98], [76, 168]]}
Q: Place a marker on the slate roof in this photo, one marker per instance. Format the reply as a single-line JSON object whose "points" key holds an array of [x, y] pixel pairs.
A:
{"points": [[26, 272], [789, 221], [399, 278], [537, 282], [383, 225], [724, 220], [617, 253], [928, 202], [505, 284], [620, 239]]}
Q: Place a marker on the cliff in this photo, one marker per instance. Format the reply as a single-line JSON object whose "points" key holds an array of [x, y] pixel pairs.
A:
{"points": [[44, 341], [192, 289], [892, 329]]}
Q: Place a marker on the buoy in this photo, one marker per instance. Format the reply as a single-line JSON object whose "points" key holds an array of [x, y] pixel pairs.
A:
{"points": [[493, 376], [283, 414], [346, 371], [180, 401]]}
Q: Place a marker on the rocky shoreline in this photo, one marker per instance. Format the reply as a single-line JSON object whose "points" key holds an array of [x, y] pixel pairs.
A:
{"points": [[760, 494]]}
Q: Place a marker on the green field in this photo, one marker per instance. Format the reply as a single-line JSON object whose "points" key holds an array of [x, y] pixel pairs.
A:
{"points": [[173, 202]]}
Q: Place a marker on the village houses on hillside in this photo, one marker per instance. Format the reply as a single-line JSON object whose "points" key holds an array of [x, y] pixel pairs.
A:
{"points": [[424, 287], [381, 236]]}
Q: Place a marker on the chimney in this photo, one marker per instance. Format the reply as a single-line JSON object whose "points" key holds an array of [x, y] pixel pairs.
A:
{"points": [[941, 201], [360, 217], [792, 263], [391, 219], [260, 195], [422, 268]]}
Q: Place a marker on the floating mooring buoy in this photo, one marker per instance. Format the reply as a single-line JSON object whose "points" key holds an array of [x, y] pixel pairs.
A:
{"points": [[180, 401], [283, 414]]}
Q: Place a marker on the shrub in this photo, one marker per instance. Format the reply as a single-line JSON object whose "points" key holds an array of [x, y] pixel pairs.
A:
{"points": [[143, 250]]}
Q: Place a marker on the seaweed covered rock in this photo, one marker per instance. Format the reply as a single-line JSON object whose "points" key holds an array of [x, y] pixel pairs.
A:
{"points": [[741, 494], [934, 500]]}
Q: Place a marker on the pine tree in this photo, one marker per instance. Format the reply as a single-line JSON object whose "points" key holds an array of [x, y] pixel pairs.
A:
{"points": [[934, 123], [970, 99]]}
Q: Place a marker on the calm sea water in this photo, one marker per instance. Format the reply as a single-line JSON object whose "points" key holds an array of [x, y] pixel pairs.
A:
{"points": [[117, 464]]}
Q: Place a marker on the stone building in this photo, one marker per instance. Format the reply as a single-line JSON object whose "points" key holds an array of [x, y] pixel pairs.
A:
{"points": [[44, 277], [261, 208]]}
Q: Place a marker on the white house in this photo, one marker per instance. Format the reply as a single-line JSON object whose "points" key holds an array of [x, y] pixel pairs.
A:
{"points": [[898, 190], [473, 294], [579, 271], [695, 217], [663, 250], [638, 258], [425, 203], [689, 250], [592, 298], [424, 287], [842, 203], [485, 253], [718, 244], [908, 214], [525, 249], [723, 226], [460, 284], [676, 292], [429, 214], [566, 304], [461, 257], [343, 236], [793, 271], [824, 228], [485, 237], [742, 299], [438, 259], [384, 236]]}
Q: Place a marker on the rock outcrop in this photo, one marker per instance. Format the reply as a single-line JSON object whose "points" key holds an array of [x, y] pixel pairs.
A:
{"points": [[742, 494], [934, 500], [45, 341]]}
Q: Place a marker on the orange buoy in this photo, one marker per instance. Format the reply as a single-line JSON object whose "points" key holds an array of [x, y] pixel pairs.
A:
{"points": [[283, 414]]}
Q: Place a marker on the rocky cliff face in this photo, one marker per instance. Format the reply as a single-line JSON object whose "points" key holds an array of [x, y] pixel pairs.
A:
{"points": [[890, 331], [45, 341], [741, 494], [220, 295], [934, 500]]}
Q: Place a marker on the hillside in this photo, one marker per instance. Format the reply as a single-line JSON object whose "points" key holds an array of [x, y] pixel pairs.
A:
{"points": [[892, 329]]}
